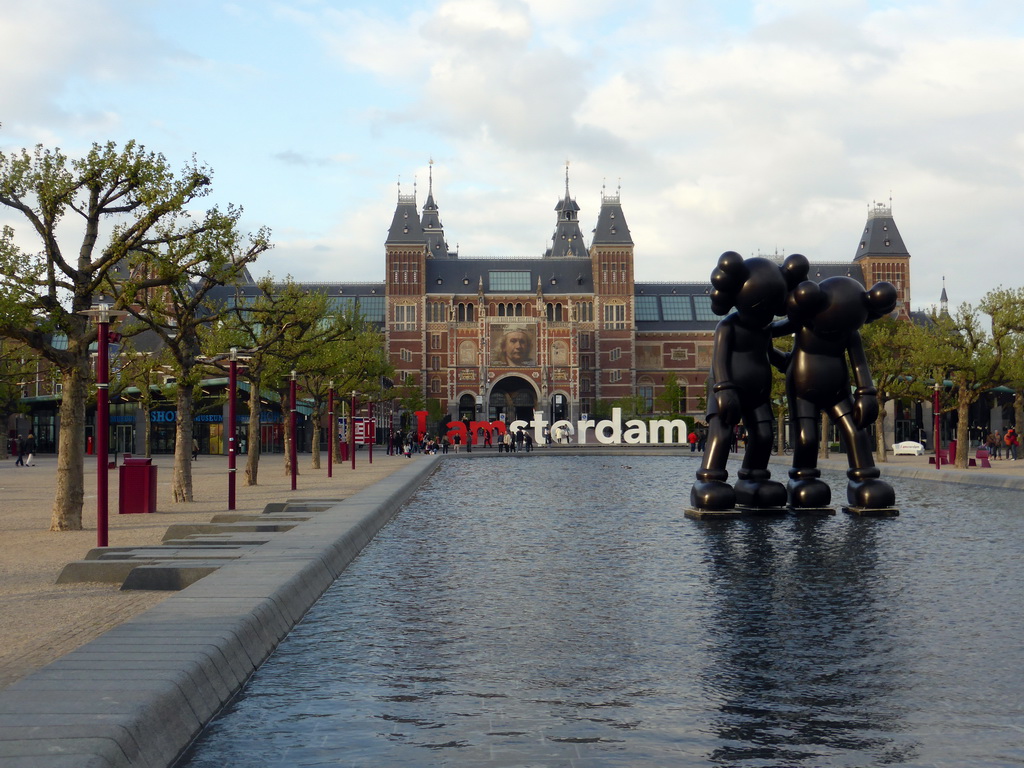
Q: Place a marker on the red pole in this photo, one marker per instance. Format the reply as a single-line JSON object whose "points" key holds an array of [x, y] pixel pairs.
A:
{"points": [[935, 429], [293, 453], [102, 424], [371, 429], [352, 431], [331, 434], [232, 390]]}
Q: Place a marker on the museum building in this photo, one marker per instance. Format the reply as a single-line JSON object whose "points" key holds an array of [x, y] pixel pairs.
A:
{"points": [[501, 338]]}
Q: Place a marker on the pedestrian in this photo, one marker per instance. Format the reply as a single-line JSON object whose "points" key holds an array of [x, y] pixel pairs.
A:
{"points": [[195, 449], [508, 442], [19, 451], [527, 441], [458, 441], [29, 450], [692, 439], [997, 445], [1011, 444]]}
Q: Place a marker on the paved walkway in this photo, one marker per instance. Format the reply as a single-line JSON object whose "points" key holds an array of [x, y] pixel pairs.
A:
{"points": [[41, 621]]}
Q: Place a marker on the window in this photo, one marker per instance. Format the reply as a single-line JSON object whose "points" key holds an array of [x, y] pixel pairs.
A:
{"points": [[437, 312], [435, 362], [466, 313], [406, 355], [435, 385], [405, 317], [615, 376], [646, 308], [584, 341], [372, 308], [646, 391], [702, 305], [615, 354], [615, 316], [585, 385], [508, 281], [583, 311], [435, 341], [676, 308], [586, 362]]}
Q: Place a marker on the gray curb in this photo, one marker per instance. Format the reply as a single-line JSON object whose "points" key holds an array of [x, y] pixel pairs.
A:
{"points": [[139, 694]]}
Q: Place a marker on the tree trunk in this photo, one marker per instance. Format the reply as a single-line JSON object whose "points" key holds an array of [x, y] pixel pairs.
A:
{"points": [[881, 455], [148, 411], [315, 447], [252, 459], [824, 451], [1018, 410], [182, 485], [67, 503], [963, 435]]}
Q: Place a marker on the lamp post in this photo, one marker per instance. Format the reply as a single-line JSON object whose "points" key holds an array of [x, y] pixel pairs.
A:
{"points": [[102, 315], [352, 430], [371, 430], [935, 428], [293, 453], [234, 357], [331, 433]]}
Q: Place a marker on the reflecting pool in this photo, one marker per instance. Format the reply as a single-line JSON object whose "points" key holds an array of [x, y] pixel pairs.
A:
{"points": [[562, 611]]}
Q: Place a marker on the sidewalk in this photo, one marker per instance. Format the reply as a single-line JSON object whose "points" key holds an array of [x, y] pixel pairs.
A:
{"points": [[41, 621]]}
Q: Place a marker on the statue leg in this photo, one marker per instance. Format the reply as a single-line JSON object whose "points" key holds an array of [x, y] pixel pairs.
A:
{"points": [[754, 488], [711, 491], [806, 490], [863, 488]]}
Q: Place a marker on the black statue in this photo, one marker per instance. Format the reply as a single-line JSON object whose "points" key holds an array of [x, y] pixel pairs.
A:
{"points": [[741, 370], [827, 319]]}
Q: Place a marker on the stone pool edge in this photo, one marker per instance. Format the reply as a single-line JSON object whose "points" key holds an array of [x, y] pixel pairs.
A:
{"points": [[139, 694]]}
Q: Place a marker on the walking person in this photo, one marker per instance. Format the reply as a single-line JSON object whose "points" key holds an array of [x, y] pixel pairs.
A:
{"points": [[29, 450], [998, 445], [19, 451], [195, 449], [1012, 442]]}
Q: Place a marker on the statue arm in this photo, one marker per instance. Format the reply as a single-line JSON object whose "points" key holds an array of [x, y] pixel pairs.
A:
{"points": [[865, 396], [724, 391], [779, 359]]}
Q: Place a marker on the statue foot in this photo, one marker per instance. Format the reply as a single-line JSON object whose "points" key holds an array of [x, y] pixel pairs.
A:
{"points": [[713, 495], [809, 493], [760, 494], [870, 493]]}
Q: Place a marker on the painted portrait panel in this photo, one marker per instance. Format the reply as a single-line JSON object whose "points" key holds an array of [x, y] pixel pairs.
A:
{"points": [[513, 344]]}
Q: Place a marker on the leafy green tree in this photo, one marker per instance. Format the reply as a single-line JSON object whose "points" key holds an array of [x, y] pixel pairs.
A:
{"points": [[1006, 308], [891, 346], [108, 225], [671, 395], [959, 349]]}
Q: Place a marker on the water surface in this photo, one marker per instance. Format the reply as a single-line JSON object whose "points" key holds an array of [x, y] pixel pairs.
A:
{"points": [[562, 611]]}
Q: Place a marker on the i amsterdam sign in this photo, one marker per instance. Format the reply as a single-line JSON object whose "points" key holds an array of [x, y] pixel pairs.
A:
{"points": [[607, 432]]}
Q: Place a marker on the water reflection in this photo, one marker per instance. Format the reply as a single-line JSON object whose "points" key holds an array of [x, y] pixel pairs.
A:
{"points": [[563, 612], [804, 667]]}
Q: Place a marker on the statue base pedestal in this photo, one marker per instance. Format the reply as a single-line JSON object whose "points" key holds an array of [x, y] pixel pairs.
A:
{"points": [[878, 512], [762, 511], [712, 514], [812, 510]]}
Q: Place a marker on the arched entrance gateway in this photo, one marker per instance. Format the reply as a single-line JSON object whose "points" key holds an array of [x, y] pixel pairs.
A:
{"points": [[511, 398]]}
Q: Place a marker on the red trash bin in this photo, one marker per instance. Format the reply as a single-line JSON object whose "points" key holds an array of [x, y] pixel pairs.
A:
{"points": [[136, 487]]}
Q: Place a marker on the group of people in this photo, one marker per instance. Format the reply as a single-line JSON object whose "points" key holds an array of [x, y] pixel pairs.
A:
{"points": [[995, 442], [24, 448], [520, 441]]}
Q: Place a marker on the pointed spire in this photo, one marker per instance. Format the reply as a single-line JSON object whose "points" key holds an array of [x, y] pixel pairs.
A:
{"points": [[943, 299]]}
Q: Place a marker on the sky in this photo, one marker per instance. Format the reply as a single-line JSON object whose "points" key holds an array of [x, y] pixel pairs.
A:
{"points": [[761, 127]]}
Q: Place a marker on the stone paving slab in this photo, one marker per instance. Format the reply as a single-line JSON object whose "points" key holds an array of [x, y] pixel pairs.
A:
{"points": [[139, 694]]}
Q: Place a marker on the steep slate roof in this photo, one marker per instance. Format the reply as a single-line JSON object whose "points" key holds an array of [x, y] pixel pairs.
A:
{"points": [[405, 226], [567, 242], [463, 276], [433, 231], [611, 226], [880, 237]]}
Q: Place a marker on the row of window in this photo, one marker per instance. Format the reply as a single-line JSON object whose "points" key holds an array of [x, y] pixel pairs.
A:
{"points": [[673, 308]]}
